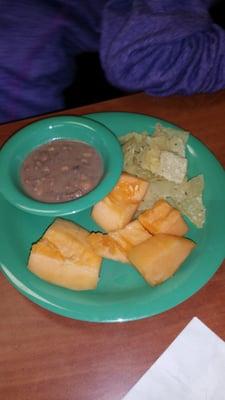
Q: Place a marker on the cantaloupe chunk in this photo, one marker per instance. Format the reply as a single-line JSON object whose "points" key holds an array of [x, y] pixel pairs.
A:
{"points": [[163, 218], [131, 235], [64, 257], [117, 209], [115, 245], [129, 189], [159, 257], [105, 246]]}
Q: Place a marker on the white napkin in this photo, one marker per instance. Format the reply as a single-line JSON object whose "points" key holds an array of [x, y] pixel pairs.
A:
{"points": [[192, 368]]}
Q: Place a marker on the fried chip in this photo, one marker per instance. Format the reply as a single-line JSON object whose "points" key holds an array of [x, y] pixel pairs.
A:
{"points": [[142, 158], [186, 197]]}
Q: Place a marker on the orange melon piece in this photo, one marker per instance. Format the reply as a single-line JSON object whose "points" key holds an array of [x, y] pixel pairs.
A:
{"points": [[163, 218], [159, 257], [115, 245], [133, 234], [117, 209], [64, 257], [129, 189], [105, 246]]}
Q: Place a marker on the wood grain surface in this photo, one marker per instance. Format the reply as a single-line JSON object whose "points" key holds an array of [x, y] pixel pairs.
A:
{"points": [[48, 357]]}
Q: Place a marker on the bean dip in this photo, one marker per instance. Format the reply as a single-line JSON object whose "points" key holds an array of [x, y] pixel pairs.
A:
{"points": [[60, 171]]}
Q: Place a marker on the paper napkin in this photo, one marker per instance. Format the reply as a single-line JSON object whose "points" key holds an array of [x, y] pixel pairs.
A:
{"points": [[192, 368]]}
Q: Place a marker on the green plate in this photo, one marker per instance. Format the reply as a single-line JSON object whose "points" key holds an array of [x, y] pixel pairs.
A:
{"points": [[122, 294]]}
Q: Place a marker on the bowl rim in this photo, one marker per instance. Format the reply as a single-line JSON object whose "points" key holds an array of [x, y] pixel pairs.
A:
{"points": [[19, 199]]}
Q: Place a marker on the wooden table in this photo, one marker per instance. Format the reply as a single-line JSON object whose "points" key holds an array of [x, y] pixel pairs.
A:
{"points": [[46, 356]]}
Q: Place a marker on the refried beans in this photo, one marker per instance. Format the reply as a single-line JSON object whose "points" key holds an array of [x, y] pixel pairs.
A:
{"points": [[60, 171]]}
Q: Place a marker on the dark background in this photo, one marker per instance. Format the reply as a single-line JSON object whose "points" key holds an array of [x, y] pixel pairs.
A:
{"points": [[91, 86]]}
